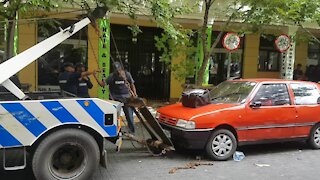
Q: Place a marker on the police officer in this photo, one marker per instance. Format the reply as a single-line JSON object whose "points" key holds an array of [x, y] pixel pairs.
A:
{"points": [[121, 86], [84, 82], [69, 79]]}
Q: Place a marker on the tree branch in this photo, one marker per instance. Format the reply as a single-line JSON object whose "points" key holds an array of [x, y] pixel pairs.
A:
{"points": [[4, 14], [309, 32], [223, 30], [4, 2]]}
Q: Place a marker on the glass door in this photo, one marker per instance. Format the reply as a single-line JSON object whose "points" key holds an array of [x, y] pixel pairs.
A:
{"points": [[225, 65]]}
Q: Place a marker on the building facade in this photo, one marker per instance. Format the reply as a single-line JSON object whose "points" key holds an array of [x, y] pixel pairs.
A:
{"points": [[257, 56]]}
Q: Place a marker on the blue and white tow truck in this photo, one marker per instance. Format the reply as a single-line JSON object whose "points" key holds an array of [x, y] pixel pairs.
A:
{"points": [[64, 136]]}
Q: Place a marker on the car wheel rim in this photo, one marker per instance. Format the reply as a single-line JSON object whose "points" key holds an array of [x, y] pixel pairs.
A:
{"points": [[317, 136], [68, 161], [221, 145]]}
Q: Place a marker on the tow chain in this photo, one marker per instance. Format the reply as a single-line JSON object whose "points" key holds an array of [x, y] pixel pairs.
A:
{"points": [[153, 146], [190, 165]]}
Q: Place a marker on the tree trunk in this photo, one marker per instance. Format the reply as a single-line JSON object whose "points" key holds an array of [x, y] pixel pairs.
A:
{"points": [[10, 38], [202, 69], [207, 53]]}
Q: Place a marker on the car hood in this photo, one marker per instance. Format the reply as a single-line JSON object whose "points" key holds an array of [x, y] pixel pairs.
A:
{"points": [[181, 112]]}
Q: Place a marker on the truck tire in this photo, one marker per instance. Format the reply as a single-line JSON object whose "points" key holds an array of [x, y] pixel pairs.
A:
{"points": [[221, 145], [66, 154]]}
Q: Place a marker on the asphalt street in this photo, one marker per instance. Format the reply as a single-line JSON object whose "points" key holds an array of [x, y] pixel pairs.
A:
{"points": [[293, 160]]}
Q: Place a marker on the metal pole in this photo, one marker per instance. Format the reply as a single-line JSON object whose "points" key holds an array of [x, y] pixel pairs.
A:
{"points": [[229, 64]]}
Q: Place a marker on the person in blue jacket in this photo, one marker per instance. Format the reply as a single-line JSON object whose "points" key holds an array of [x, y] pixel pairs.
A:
{"points": [[69, 79], [84, 82]]}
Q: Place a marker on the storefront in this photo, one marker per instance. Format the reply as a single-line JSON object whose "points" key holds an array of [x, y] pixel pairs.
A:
{"points": [[256, 57]]}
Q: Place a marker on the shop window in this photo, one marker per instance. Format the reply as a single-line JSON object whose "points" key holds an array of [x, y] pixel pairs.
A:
{"points": [[313, 53], [269, 56], [218, 62], [73, 50]]}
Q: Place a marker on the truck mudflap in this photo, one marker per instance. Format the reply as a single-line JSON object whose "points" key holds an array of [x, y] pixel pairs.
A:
{"points": [[159, 142]]}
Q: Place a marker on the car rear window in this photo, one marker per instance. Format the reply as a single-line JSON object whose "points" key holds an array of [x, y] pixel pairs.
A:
{"points": [[305, 94]]}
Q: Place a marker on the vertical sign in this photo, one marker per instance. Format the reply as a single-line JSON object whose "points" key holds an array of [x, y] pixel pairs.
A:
{"points": [[16, 37], [104, 56], [287, 49], [200, 55], [207, 73]]}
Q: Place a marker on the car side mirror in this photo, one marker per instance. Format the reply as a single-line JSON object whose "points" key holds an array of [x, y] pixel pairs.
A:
{"points": [[255, 104], [318, 100]]}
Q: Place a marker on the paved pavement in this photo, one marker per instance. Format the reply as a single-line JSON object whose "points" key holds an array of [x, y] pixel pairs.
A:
{"points": [[275, 161], [279, 161]]}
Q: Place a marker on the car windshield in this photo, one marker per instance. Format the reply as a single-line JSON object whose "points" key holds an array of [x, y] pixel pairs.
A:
{"points": [[231, 92]]}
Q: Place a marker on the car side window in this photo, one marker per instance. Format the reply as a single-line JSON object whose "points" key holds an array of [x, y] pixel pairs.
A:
{"points": [[272, 95], [305, 94]]}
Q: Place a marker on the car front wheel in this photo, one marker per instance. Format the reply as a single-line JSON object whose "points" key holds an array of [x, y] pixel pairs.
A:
{"points": [[221, 145], [314, 138]]}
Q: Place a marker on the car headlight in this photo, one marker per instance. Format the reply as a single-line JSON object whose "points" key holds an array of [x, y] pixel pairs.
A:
{"points": [[186, 124]]}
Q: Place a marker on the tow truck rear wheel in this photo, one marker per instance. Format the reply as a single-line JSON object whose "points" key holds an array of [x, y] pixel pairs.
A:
{"points": [[221, 145], [66, 154]]}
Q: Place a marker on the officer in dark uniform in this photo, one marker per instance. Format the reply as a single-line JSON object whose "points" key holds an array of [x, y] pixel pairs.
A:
{"points": [[84, 82], [69, 79], [121, 86]]}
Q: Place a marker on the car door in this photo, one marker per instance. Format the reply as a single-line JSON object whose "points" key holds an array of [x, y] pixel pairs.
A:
{"points": [[305, 99], [269, 113]]}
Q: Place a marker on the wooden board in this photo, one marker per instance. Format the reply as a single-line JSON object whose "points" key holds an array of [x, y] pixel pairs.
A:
{"points": [[157, 131]]}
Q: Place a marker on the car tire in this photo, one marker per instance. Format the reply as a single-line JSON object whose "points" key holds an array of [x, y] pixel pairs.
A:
{"points": [[314, 138], [66, 154], [221, 145]]}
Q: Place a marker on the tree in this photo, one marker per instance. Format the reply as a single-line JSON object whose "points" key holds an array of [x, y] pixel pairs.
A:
{"points": [[258, 13], [284, 12], [255, 13], [160, 11], [9, 11]]}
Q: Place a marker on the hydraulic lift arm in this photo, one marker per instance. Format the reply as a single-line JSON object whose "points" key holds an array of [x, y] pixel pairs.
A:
{"points": [[17, 63]]}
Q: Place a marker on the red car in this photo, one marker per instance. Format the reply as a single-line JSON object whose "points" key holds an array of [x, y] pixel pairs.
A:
{"points": [[246, 111]]}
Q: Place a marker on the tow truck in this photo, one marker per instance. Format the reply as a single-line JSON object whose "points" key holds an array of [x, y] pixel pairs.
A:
{"points": [[65, 136]]}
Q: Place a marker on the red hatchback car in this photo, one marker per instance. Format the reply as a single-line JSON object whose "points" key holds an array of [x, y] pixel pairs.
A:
{"points": [[246, 111]]}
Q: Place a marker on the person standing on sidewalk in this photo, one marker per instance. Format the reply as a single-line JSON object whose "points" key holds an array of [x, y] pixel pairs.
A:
{"points": [[298, 73], [121, 86]]}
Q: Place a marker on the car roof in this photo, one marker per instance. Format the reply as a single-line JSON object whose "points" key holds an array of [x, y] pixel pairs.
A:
{"points": [[270, 80]]}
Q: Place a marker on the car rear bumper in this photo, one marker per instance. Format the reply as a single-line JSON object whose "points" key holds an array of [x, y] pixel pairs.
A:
{"points": [[189, 139]]}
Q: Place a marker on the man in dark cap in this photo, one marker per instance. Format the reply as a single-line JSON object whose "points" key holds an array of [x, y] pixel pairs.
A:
{"points": [[121, 86], [84, 82], [69, 79]]}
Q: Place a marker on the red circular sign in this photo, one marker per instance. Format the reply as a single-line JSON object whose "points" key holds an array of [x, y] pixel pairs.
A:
{"points": [[283, 43], [231, 41]]}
